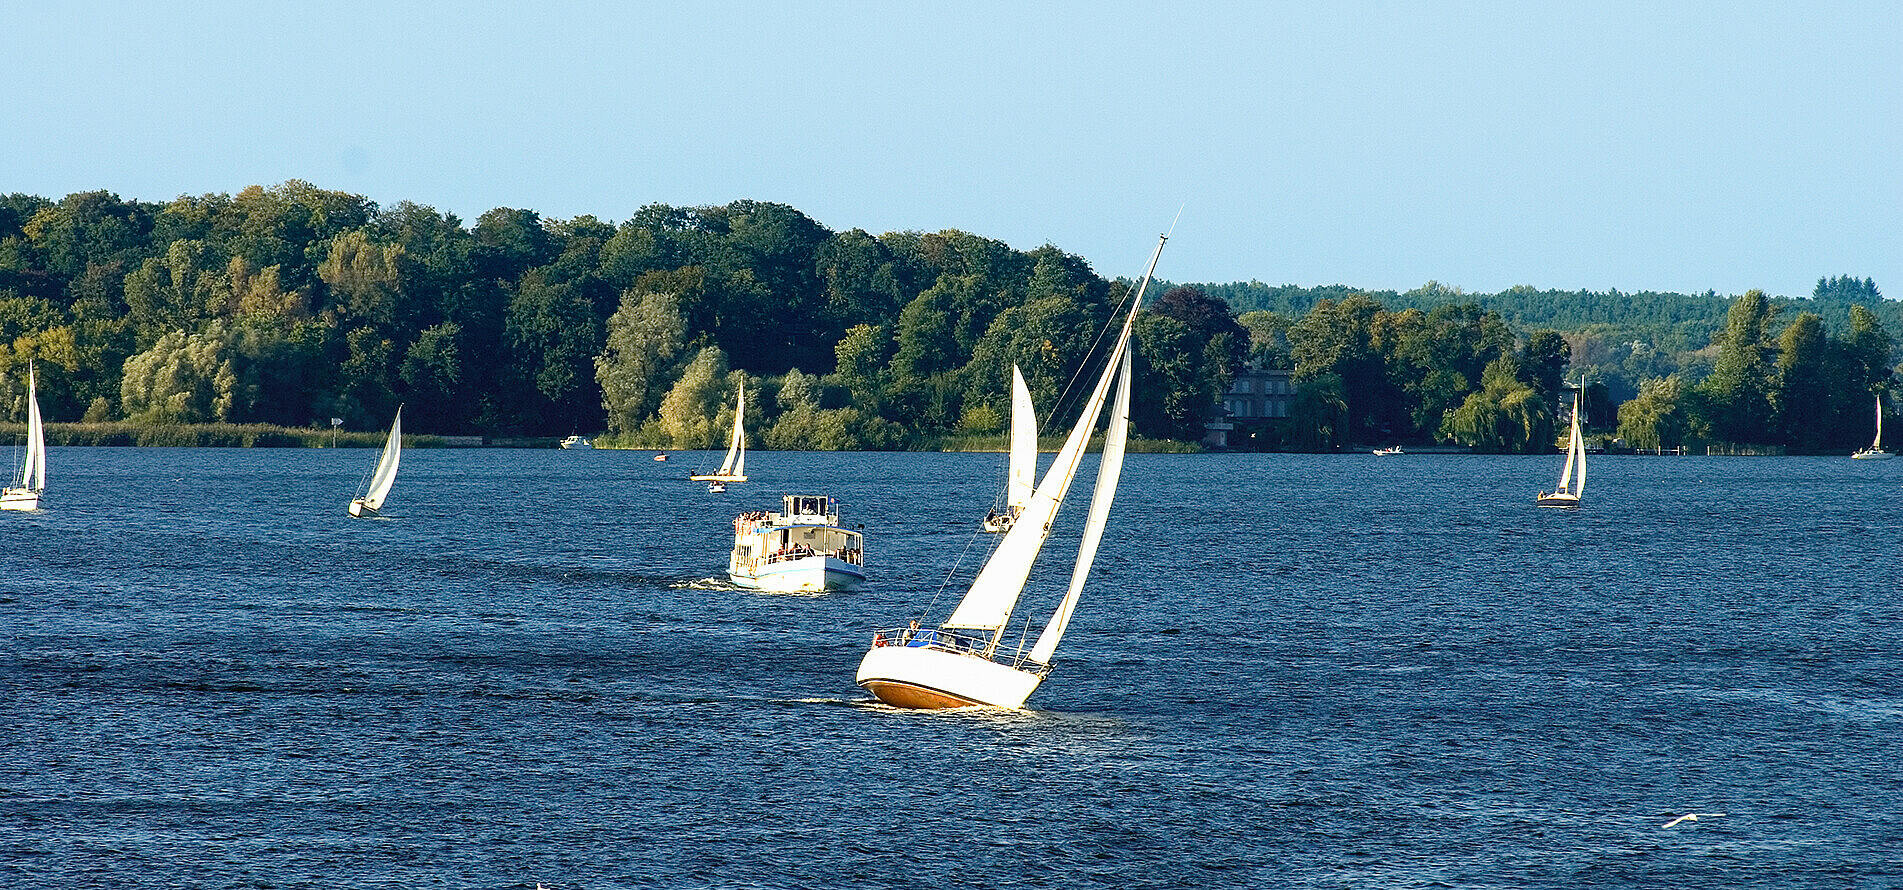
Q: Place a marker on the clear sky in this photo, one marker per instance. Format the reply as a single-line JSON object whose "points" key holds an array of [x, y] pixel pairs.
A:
{"points": [[1638, 146]]}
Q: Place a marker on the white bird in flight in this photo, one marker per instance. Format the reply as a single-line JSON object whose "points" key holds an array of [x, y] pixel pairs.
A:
{"points": [[1690, 817]]}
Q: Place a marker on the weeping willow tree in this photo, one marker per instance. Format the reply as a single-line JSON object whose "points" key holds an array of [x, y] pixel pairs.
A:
{"points": [[1318, 421], [1655, 418], [1506, 415]]}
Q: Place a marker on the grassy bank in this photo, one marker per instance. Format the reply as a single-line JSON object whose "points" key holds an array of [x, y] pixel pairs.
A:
{"points": [[262, 435], [208, 435], [994, 443]]}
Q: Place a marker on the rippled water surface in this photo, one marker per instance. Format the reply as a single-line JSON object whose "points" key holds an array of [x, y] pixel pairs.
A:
{"points": [[1290, 671]]}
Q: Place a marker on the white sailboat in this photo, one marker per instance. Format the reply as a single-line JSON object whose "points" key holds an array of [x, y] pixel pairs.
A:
{"points": [[385, 475], [1875, 451], [1570, 488], [801, 548], [734, 467], [965, 660], [1021, 468], [24, 494]]}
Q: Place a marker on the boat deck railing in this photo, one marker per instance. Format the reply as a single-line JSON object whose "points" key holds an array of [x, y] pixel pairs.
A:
{"points": [[973, 645], [851, 555]]}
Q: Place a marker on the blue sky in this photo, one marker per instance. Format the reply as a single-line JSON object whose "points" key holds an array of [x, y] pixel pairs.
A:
{"points": [[1638, 146]]}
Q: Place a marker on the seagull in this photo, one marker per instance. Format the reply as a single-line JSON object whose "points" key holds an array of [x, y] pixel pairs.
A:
{"points": [[1689, 817]]}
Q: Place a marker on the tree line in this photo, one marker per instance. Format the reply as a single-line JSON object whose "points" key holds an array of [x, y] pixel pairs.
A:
{"points": [[292, 304]]}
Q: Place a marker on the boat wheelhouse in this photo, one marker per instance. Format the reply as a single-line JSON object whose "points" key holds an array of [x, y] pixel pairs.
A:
{"points": [[801, 548]]}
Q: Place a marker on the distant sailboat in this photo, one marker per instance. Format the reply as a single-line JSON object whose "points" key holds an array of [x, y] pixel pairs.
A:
{"points": [[1875, 451], [1570, 488], [385, 475], [734, 467], [24, 494], [965, 660], [1021, 469]]}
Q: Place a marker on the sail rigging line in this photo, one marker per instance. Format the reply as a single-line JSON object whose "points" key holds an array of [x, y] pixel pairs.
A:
{"points": [[995, 592], [1126, 310], [1131, 296]]}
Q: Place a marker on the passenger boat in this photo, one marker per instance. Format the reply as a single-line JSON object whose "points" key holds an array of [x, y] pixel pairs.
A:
{"points": [[801, 548]]}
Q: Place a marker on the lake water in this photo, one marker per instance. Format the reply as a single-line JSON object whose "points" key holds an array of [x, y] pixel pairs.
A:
{"points": [[1289, 671]]}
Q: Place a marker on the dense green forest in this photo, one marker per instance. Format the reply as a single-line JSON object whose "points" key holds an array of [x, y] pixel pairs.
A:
{"points": [[291, 304]]}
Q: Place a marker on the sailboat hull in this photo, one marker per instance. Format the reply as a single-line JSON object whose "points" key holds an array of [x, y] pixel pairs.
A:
{"points": [[927, 677], [1872, 455], [1558, 500], [362, 510], [716, 477], [20, 499]]}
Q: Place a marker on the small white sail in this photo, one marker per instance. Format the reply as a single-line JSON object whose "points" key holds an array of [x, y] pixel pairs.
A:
{"points": [[1876, 444], [1022, 473], [737, 449], [385, 476], [1579, 445], [34, 473], [733, 467], [1109, 468], [1572, 452]]}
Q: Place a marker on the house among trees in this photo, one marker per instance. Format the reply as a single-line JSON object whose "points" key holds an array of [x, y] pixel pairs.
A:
{"points": [[1256, 398]]}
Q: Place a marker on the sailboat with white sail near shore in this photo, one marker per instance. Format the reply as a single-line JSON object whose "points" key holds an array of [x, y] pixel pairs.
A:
{"points": [[1571, 488], [1875, 451], [733, 468], [384, 477], [24, 493], [1021, 466], [966, 661]]}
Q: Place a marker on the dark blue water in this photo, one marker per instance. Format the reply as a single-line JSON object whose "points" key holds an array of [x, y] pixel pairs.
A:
{"points": [[1291, 671]]}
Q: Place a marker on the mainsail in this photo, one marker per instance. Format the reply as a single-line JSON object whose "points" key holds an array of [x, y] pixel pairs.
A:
{"points": [[735, 463], [385, 475], [1022, 472], [33, 472]]}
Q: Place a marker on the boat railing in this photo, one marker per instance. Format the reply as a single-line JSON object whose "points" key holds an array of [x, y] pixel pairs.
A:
{"points": [[970, 644], [853, 555]]}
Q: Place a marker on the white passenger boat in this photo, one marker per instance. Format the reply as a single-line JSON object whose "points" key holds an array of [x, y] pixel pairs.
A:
{"points": [[801, 548], [577, 443]]}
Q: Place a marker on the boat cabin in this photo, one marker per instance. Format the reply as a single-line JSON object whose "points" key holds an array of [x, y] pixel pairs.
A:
{"points": [[807, 525], [802, 509]]}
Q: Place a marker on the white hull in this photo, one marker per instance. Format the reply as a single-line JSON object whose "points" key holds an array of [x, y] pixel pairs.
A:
{"points": [[930, 677], [807, 575], [20, 499], [1558, 500], [1872, 454], [362, 510], [716, 477]]}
